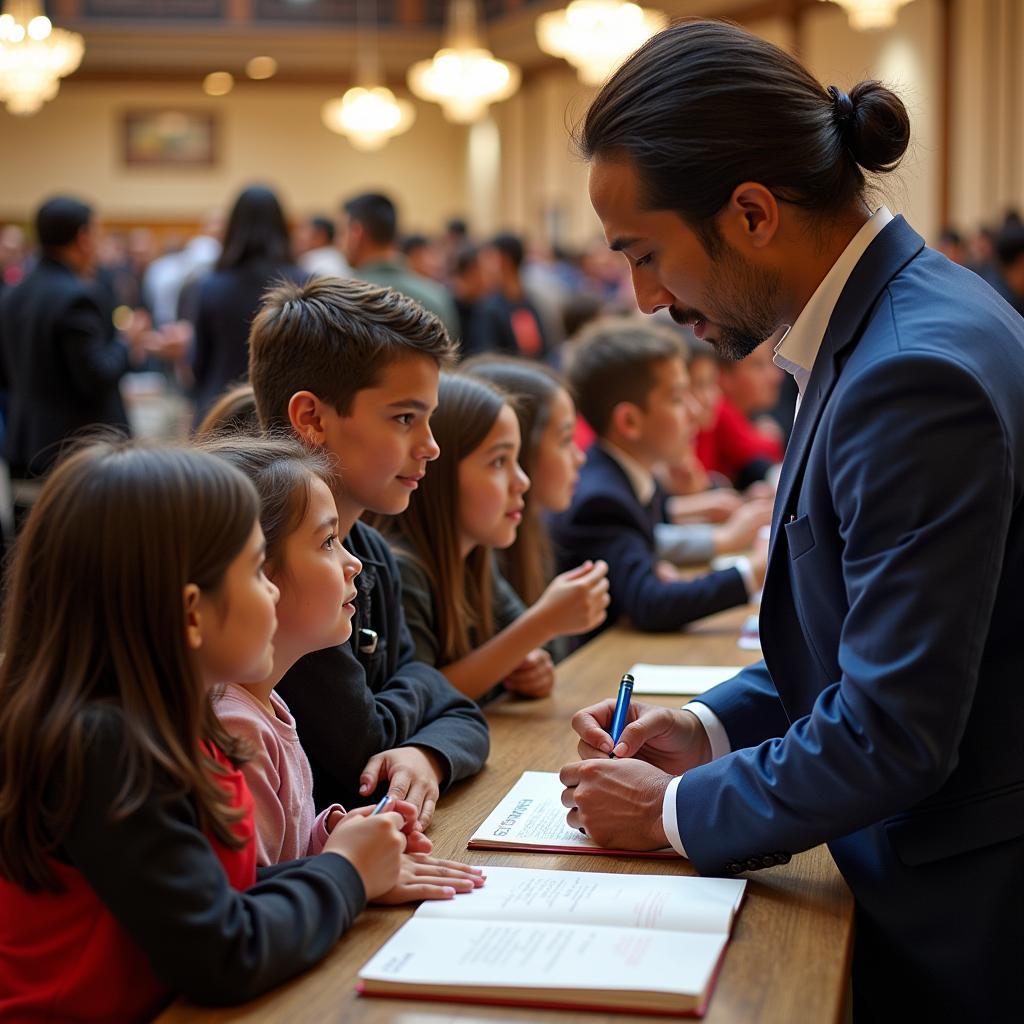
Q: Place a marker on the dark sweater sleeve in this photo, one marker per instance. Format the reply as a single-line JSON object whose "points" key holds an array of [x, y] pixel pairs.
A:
{"points": [[418, 608], [601, 528], [339, 723], [162, 881], [421, 707]]}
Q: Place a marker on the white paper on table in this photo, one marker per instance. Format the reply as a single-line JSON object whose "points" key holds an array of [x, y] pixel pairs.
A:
{"points": [[684, 680]]}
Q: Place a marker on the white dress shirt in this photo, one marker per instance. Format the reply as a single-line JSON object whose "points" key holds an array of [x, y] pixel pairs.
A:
{"points": [[795, 353]]}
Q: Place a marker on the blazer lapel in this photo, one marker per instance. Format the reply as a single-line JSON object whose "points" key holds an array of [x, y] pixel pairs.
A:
{"points": [[889, 252]]}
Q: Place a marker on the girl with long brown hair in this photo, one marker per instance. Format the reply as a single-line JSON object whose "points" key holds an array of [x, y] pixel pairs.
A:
{"points": [[317, 580], [550, 457], [463, 615], [127, 866]]}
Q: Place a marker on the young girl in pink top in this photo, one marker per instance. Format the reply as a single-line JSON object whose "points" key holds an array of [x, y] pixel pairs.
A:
{"points": [[316, 579]]}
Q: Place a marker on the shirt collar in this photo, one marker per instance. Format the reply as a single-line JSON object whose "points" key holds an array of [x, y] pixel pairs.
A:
{"points": [[798, 348], [641, 479]]}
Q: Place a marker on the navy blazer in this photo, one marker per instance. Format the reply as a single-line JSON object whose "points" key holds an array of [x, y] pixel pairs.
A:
{"points": [[606, 520], [887, 717], [60, 361]]}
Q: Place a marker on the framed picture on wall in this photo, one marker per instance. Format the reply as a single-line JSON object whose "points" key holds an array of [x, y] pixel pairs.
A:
{"points": [[169, 138]]}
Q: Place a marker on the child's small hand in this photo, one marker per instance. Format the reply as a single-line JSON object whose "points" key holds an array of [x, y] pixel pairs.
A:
{"points": [[333, 818], [373, 845], [425, 878], [534, 676], [576, 601], [415, 774]]}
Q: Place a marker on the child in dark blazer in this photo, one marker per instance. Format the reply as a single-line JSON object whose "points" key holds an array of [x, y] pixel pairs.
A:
{"points": [[631, 387]]}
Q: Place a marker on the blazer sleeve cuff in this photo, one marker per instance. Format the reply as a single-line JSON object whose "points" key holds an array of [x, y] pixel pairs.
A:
{"points": [[668, 817], [717, 736]]}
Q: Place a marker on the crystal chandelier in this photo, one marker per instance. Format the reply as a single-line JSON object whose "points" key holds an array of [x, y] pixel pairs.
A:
{"points": [[596, 36], [369, 115], [464, 76], [868, 14], [34, 56]]}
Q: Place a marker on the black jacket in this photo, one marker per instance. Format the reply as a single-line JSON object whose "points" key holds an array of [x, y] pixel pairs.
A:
{"points": [[606, 520], [60, 362], [351, 702]]}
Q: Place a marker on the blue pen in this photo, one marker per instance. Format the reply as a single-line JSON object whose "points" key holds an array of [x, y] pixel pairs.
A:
{"points": [[381, 804], [621, 709]]}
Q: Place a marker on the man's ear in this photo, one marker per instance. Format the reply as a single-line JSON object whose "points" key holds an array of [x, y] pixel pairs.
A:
{"points": [[750, 219], [627, 420], [305, 414], [193, 617]]}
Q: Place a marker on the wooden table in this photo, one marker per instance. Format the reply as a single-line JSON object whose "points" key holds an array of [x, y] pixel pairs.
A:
{"points": [[790, 954]]}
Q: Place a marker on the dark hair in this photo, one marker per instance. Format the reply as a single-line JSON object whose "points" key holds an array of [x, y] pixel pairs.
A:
{"points": [[529, 563], [705, 105], [256, 234], [334, 337], [1009, 244], [94, 618], [457, 226], [466, 258], [428, 530], [325, 226], [950, 236], [231, 414], [281, 469], [59, 220], [613, 361], [413, 242], [377, 214], [510, 246]]}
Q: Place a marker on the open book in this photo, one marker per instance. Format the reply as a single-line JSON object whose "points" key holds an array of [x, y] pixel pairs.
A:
{"points": [[566, 939], [531, 817], [668, 680]]}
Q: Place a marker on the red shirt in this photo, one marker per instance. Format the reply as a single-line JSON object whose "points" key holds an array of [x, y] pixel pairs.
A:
{"points": [[733, 442], [64, 956]]}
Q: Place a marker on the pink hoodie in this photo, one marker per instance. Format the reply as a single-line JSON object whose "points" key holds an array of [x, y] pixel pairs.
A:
{"points": [[287, 825]]}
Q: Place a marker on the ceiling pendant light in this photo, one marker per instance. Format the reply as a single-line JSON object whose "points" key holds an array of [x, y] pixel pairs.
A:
{"points": [[596, 36], [34, 56], [871, 14], [464, 76], [369, 115]]}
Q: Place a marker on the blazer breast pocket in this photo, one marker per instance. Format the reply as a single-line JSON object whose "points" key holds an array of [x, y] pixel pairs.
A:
{"points": [[799, 537]]}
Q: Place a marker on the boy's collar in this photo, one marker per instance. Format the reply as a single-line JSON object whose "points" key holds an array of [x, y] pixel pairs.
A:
{"points": [[641, 478]]}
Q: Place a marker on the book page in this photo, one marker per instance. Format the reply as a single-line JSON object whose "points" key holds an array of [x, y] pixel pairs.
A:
{"points": [[662, 902], [685, 680], [427, 951], [531, 814]]}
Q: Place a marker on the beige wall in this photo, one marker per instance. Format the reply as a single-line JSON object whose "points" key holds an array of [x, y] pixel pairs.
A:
{"points": [[268, 133]]}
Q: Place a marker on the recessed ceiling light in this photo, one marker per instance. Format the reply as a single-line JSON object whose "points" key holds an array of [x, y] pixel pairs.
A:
{"points": [[218, 83], [261, 67]]}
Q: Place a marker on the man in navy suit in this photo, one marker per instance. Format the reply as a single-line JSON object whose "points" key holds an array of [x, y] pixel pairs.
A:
{"points": [[887, 716]]}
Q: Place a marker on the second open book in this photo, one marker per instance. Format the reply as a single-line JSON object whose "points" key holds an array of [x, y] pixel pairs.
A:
{"points": [[584, 940], [531, 817]]}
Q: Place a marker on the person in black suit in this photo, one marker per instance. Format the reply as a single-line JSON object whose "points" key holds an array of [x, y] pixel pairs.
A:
{"points": [[60, 357], [631, 386], [257, 253]]}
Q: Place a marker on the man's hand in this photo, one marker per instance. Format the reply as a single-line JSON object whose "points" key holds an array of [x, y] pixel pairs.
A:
{"points": [[618, 803], [534, 676], [415, 774], [669, 739]]}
